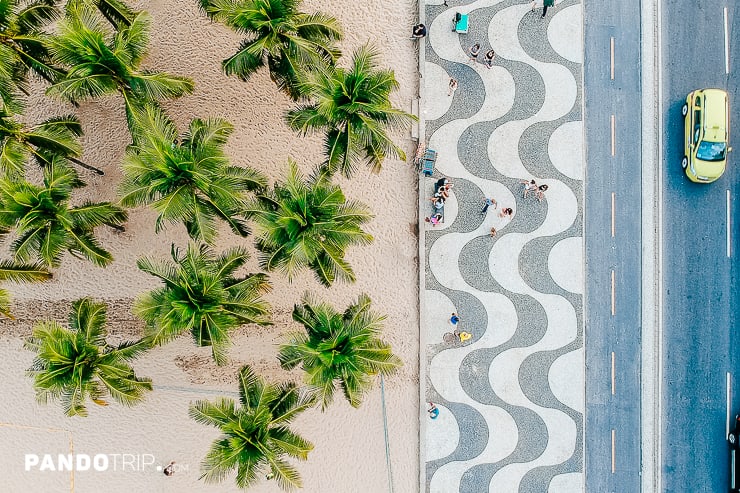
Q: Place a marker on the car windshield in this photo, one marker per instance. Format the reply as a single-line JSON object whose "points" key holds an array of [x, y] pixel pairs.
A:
{"points": [[711, 151]]}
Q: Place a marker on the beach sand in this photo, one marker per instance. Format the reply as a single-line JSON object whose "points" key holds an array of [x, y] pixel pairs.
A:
{"points": [[350, 452]]}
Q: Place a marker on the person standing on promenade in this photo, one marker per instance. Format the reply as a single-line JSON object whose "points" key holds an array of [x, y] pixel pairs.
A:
{"points": [[473, 52], [545, 4], [452, 87], [488, 58], [541, 192]]}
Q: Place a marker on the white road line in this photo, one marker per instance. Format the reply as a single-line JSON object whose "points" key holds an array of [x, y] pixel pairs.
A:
{"points": [[614, 297], [727, 431], [611, 55], [727, 43], [614, 199], [614, 380], [614, 451], [728, 223], [614, 135], [656, 454]]}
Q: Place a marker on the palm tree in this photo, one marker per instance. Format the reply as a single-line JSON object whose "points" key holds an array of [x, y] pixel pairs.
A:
{"points": [[338, 349], [186, 179], [76, 363], [114, 11], [15, 272], [255, 436], [102, 62], [23, 47], [45, 222], [352, 106], [202, 295], [308, 224], [279, 36], [55, 137]]}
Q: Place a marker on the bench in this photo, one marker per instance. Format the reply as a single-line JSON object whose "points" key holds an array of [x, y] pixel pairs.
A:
{"points": [[427, 162]]}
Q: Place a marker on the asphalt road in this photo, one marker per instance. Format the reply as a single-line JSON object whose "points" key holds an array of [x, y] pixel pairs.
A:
{"points": [[700, 281], [613, 245]]}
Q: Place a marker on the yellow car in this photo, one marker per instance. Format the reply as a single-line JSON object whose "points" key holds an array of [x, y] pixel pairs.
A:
{"points": [[706, 134]]}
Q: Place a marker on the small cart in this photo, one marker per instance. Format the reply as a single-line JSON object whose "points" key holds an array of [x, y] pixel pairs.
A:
{"points": [[460, 23]]}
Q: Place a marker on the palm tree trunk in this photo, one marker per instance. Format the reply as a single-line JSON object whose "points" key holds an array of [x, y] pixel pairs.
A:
{"points": [[86, 166]]}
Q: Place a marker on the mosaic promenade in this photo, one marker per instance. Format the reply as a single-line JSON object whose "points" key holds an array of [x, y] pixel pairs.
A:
{"points": [[511, 398]]}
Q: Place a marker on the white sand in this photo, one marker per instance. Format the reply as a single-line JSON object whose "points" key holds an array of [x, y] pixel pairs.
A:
{"points": [[349, 452]]}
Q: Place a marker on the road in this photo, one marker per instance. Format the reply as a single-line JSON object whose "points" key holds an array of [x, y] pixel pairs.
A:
{"points": [[699, 279], [613, 245]]}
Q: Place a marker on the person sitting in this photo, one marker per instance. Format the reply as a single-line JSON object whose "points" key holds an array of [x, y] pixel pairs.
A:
{"points": [[442, 182], [435, 218], [433, 411], [419, 31], [437, 200]]}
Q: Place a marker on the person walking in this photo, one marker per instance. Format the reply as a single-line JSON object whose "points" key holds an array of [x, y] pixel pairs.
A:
{"points": [[541, 192], [452, 87], [488, 58], [169, 469], [454, 319], [488, 203], [473, 52], [545, 4], [506, 212]]}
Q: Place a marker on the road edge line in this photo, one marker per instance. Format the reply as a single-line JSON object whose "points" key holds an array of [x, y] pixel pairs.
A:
{"points": [[651, 216]]}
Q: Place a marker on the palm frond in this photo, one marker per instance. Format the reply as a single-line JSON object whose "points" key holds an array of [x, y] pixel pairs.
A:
{"points": [[12, 271], [76, 364]]}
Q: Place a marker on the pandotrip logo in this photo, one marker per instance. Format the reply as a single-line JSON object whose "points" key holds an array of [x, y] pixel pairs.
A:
{"points": [[97, 463]]}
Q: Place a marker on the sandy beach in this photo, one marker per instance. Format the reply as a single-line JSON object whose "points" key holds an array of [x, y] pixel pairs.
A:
{"points": [[350, 451]]}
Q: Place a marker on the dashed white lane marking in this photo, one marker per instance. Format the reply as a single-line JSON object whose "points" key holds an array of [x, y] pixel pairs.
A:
{"points": [[727, 42]]}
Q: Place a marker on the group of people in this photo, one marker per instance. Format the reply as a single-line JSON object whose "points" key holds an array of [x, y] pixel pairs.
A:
{"points": [[545, 5], [531, 186], [474, 51], [441, 192]]}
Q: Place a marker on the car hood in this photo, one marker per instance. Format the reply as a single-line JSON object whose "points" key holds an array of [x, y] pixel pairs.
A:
{"points": [[710, 169]]}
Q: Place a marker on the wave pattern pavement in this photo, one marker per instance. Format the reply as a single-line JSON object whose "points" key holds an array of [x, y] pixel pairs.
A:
{"points": [[511, 398]]}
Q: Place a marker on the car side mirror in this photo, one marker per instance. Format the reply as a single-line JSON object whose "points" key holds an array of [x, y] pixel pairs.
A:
{"points": [[729, 149]]}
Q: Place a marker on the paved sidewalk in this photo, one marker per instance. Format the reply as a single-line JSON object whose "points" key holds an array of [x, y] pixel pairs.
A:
{"points": [[511, 399]]}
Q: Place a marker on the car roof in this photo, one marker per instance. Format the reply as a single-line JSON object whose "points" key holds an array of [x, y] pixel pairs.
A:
{"points": [[715, 114]]}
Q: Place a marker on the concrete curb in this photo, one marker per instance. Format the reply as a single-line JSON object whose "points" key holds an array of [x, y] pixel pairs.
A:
{"points": [[421, 264]]}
